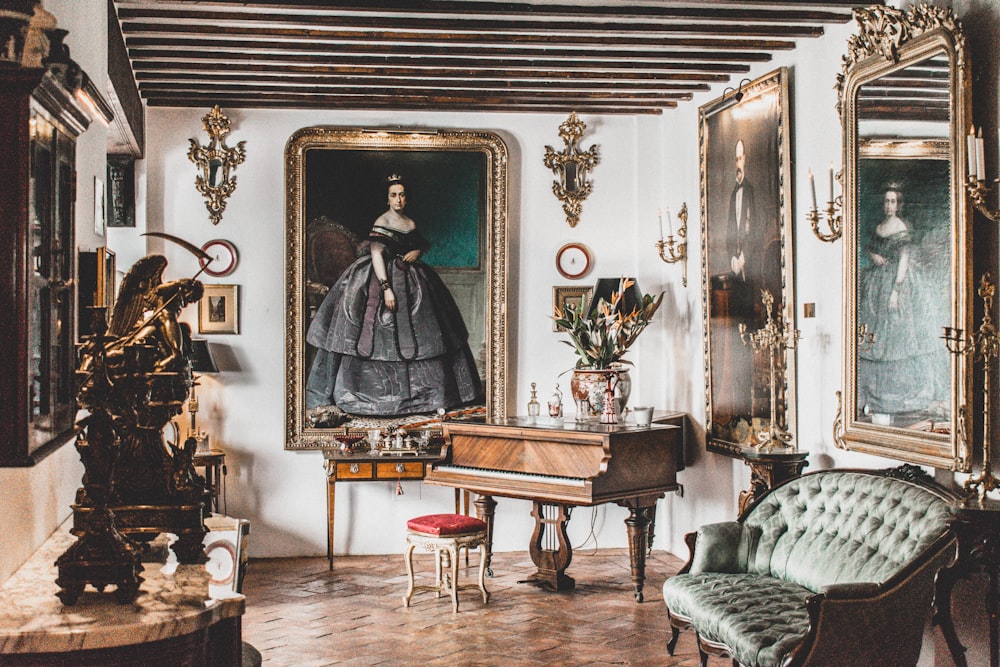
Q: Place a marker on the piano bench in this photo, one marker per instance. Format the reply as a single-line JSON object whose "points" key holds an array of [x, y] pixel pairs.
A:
{"points": [[445, 535]]}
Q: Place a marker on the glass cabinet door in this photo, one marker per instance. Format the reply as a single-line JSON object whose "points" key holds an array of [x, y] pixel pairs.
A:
{"points": [[51, 288]]}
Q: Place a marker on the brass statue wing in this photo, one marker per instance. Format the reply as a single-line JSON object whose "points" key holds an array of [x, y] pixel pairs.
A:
{"points": [[133, 296]]}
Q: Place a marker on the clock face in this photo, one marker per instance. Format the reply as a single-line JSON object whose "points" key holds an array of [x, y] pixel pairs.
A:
{"points": [[224, 258], [221, 563], [573, 260]]}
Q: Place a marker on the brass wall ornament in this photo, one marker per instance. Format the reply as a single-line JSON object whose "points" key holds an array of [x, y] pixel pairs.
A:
{"points": [[215, 161], [572, 167]]}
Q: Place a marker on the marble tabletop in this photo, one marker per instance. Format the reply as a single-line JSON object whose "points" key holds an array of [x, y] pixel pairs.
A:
{"points": [[173, 601]]}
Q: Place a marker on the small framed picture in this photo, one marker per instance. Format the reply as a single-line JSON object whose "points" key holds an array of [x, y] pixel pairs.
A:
{"points": [[570, 295], [219, 310]]}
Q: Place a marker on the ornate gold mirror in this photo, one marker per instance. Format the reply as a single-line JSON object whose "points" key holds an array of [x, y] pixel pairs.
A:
{"points": [[904, 101], [344, 207], [215, 163]]}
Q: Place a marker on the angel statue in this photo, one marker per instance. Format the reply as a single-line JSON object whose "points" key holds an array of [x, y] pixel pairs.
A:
{"points": [[144, 355]]}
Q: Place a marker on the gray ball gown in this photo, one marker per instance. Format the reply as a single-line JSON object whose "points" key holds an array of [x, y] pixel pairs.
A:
{"points": [[373, 361], [897, 371]]}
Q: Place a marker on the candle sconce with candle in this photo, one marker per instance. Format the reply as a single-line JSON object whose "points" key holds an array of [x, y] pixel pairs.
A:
{"points": [[976, 182], [832, 213], [672, 251]]}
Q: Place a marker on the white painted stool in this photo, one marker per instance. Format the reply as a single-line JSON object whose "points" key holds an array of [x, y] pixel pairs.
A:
{"points": [[445, 535]]}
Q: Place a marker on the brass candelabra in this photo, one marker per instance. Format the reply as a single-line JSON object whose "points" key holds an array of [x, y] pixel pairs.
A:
{"points": [[982, 345], [774, 338], [672, 251]]}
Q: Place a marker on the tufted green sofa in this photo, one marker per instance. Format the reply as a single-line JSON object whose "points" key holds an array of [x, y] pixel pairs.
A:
{"points": [[836, 568]]}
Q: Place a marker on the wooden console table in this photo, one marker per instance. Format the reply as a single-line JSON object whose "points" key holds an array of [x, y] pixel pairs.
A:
{"points": [[172, 622], [363, 467]]}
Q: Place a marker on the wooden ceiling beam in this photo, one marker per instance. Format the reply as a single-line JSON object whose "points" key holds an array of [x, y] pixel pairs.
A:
{"points": [[149, 89], [524, 12], [373, 37], [476, 26], [438, 103], [380, 80], [234, 58], [256, 48], [434, 72]]}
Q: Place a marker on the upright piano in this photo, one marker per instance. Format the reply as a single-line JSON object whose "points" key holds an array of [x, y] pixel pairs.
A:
{"points": [[561, 466]]}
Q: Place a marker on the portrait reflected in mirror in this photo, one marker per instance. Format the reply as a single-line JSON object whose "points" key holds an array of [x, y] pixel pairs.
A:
{"points": [[903, 287], [389, 338]]}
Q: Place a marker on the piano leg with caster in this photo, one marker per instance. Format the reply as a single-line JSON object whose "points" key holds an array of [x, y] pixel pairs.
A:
{"points": [[638, 521], [485, 509], [550, 553]]}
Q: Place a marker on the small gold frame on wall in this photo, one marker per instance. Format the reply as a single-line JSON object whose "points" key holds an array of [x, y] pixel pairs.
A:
{"points": [[572, 166], [215, 162], [219, 310]]}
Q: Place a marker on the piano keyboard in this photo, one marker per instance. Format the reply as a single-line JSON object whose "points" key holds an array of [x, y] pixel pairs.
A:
{"points": [[508, 474]]}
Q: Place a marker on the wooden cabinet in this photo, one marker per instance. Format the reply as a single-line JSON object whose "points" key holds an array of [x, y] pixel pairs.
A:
{"points": [[42, 119]]}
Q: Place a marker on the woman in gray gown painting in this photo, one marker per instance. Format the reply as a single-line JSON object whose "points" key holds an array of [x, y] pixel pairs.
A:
{"points": [[899, 371], [390, 339]]}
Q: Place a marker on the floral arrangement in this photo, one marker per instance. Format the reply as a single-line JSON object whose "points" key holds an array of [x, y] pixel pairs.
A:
{"points": [[602, 336]]}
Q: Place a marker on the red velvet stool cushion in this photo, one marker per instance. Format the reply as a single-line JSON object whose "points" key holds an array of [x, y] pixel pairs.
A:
{"points": [[446, 524]]}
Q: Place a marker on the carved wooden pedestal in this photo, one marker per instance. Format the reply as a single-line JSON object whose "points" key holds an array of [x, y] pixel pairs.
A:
{"points": [[768, 468]]}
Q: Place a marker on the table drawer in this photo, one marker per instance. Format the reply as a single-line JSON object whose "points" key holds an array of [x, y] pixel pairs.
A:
{"points": [[399, 470], [348, 470]]}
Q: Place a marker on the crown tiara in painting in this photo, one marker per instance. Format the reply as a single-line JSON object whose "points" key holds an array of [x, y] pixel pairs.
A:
{"points": [[394, 179]]}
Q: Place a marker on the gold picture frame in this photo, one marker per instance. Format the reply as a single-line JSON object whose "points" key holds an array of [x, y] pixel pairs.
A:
{"points": [[219, 310], [752, 128], [344, 163], [564, 295]]}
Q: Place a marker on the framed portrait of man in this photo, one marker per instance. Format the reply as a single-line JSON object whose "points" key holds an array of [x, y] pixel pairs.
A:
{"points": [[747, 247]]}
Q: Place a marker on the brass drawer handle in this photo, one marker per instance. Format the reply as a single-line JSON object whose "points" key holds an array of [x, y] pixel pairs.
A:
{"points": [[400, 468], [355, 469]]}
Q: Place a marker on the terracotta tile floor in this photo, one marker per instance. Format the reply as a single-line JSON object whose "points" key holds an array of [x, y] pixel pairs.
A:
{"points": [[299, 613]]}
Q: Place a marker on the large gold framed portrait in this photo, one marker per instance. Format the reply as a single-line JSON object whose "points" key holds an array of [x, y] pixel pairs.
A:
{"points": [[746, 234], [456, 192]]}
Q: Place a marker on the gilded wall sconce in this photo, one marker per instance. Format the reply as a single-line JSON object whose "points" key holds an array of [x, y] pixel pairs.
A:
{"points": [[672, 251], [976, 181], [831, 215], [215, 162], [572, 167]]}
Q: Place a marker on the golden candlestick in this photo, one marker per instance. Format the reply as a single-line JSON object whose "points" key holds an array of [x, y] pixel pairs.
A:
{"points": [[774, 338], [982, 345], [672, 251]]}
